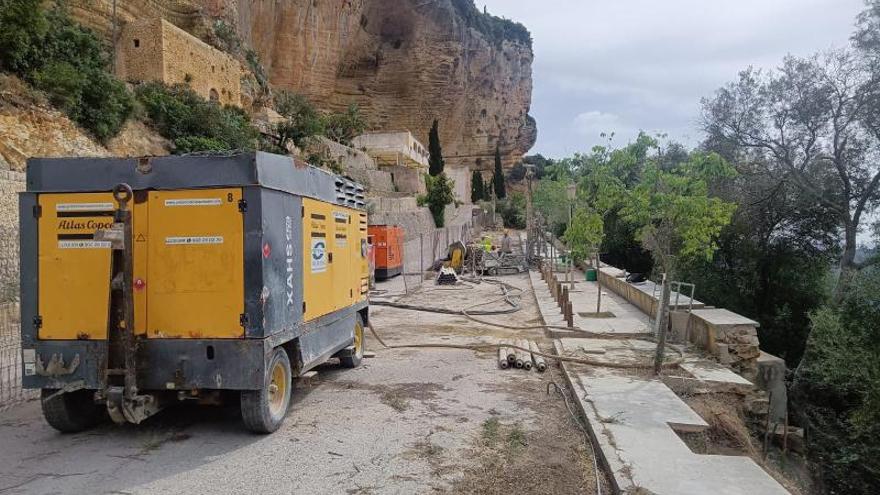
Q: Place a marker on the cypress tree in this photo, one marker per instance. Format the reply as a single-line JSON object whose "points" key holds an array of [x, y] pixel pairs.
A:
{"points": [[498, 177], [435, 153], [478, 191]]}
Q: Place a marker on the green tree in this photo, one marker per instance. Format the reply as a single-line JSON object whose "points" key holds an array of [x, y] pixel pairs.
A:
{"points": [[435, 152], [676, 218], [816, 123], [837, 389], [438, 196], [343, 127], [498, 176], [478, 190], [550, 199], [585, 235], [67, 62], [23, 28], [194, 123], [513, 211], [301, 121]]}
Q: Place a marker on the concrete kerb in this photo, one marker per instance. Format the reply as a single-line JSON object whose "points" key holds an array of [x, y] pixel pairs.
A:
{"points": [[598, 449], [600, 444]]}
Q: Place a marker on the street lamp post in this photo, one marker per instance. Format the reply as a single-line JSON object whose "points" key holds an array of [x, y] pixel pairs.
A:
{"points": [[530, 214]]}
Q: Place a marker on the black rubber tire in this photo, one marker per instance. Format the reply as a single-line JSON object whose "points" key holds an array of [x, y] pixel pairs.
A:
{"points": [[71, 412], [354, 358], [255, 410]]}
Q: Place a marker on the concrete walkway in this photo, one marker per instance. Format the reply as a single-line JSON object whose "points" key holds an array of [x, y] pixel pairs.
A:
{"points": [[634, 418]]}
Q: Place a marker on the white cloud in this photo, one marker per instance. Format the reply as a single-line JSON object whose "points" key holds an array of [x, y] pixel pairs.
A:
{"points": [[593, 123], [646, 63]]}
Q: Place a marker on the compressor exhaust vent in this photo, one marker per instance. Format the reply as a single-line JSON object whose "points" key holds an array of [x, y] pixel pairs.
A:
{"points": [[349, 193]]}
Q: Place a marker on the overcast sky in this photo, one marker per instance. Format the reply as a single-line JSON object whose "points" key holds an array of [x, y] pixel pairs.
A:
{"points": [[626, 65]]}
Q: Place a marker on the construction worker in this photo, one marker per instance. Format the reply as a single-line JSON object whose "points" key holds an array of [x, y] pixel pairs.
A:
{"points": [[505, 243], [487, 244]]}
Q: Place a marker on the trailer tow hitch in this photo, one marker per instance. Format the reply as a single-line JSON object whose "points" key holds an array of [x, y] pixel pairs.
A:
{"points": [[124, 404]]}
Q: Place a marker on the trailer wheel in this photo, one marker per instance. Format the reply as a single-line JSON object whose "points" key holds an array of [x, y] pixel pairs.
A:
{"points": [[353, 358], [263, 410], [71, 412]]}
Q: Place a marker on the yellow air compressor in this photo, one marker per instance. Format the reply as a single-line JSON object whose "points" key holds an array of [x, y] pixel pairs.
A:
{"points": [[150, 281]]}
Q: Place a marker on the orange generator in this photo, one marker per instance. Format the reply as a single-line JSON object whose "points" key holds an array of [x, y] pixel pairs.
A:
{"points": [[388, 246]]}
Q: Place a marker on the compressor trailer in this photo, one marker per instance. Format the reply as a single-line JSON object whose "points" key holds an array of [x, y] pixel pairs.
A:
{"points": [[150, 281]]}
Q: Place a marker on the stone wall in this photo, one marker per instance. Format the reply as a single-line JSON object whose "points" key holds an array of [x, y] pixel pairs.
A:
{"points": [[408, 180], [11, 183], [462, 179], [356, 164], [403, 212], [156, 50], [731, 338]]}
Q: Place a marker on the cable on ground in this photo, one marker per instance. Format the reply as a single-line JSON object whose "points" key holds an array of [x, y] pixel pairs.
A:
{"points": [[587, 438]]}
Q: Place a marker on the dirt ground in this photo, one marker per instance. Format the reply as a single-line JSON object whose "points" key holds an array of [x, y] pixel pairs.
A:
{"points": [[407, 421]]}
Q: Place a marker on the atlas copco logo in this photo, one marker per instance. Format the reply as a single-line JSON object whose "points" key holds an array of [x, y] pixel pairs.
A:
{"points": [[84, 225], [288, 252], [318, 251]]}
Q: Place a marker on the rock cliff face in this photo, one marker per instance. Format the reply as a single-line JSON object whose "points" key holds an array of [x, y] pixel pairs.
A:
{"points": [[404, 62]]}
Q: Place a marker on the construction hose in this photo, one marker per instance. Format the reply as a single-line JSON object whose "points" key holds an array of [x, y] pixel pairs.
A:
{"points": [[508, 298], [494, 348]]}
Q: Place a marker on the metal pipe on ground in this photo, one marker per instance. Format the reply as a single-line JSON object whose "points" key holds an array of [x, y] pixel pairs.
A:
{"points": [[521, 355], [527, 356], [502, 358], [540, 364], [520, 362], [511, 354]]}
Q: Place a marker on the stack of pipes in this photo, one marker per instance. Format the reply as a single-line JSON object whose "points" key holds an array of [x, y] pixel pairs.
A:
{"points": [[518, 353]]}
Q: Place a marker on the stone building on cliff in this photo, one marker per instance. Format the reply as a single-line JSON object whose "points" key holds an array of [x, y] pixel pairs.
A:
{"points": [[156, 50]]}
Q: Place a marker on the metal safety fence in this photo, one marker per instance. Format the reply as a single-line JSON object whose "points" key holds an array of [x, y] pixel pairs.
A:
{"points": [[11, 392], [421, 251]]}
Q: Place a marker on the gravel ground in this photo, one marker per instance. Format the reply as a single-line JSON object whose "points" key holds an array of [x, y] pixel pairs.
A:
{"points": [[407, 421]]}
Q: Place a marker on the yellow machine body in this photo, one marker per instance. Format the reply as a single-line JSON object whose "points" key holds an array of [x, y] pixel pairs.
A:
{"points": [[335, 271]]}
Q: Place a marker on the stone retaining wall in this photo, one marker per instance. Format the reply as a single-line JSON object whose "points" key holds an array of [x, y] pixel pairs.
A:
{"points": [[11, 183], [732, 338]]}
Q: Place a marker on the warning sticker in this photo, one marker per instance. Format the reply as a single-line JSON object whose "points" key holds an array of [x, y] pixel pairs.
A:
{"points": [[29, 358], [84, 207], [319, 255], [84, 244], [194, 202], [188, 241]]}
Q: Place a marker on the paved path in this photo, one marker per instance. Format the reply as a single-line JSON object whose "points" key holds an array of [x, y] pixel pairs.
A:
{"points": [[634, 418]]}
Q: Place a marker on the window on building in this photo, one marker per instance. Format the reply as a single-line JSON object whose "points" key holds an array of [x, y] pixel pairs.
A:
{"points": [[213, 69], [214, 95], [137, 43]]}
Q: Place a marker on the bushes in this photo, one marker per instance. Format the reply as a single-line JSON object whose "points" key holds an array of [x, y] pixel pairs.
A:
{"points": [[301, 120], [193, 123], [513, 211], [67, 62], [343, 127], [837, 390], [496, 29]]}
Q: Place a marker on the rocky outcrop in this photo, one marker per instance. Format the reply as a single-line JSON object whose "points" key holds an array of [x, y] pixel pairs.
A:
{"points": [[404, 62], [30, 127]]}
